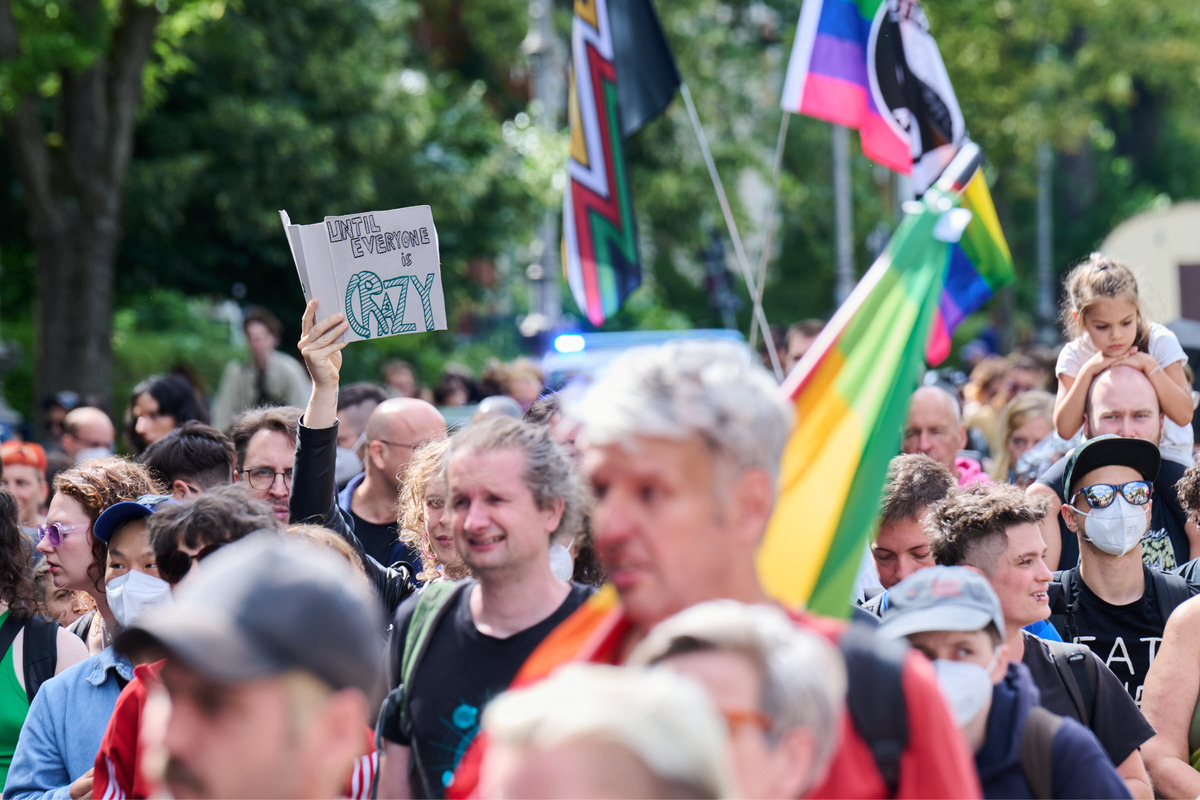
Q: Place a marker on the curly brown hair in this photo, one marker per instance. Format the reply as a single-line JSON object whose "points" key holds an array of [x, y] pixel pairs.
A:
{"points": [[97, 484], [426, 466], [1188, 489], [17, 589], [971, 527]]}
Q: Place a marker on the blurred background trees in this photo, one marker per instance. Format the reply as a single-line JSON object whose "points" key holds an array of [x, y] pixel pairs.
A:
{"points": [[334, 106]]}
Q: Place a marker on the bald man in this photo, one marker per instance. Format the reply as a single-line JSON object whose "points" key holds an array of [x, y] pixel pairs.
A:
{"points": [[394, 430], [934, 427], [87, 433]]}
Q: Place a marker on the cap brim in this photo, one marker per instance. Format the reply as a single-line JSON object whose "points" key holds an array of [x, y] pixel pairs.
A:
{"points": [[117, 515], [942, 617], [206, 640]]}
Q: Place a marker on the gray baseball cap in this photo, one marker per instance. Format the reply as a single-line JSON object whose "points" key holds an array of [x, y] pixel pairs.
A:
{"points": [[941, 599], [265, 605]]}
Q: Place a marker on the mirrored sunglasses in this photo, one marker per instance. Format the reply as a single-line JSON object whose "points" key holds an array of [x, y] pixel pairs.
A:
{"points": [[1101, 495]]}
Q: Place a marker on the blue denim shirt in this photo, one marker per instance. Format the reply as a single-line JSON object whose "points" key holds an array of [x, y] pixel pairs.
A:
{"points": [[66, 722]]}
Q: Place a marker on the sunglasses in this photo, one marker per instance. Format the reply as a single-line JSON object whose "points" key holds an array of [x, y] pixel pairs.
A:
{"points": [[1101, 495], [173, 566], [57, 531]]}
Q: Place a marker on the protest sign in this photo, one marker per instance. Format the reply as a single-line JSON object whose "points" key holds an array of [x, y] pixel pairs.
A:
{"points": [[382, 268]]}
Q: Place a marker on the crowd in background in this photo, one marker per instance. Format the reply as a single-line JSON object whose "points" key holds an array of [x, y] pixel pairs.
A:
{"points": [[344, 590]]}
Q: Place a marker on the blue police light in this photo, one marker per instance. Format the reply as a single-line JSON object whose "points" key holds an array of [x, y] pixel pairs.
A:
{"points": [[569, 343]]}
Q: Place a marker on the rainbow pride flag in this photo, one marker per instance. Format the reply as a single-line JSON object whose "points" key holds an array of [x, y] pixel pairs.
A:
{"points": [[851, 393], [979, 264], [873, 65]]}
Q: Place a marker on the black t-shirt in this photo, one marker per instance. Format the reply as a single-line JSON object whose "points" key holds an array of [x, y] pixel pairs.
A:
{"points": [[1116, 720], [1124, 637], [461, 670], [382, 543], [1165, 545]]}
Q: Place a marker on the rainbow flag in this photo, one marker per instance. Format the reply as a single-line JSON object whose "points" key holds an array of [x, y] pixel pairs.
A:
{"points": [[622, 75], [979, 264], [873, 65], [851, 393]]}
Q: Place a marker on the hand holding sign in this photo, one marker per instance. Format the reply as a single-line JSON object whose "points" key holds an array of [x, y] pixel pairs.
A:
{"points": [[381, 268]]}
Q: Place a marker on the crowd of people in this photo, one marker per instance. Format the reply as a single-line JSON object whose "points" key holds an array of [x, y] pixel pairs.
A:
{"points": [[331, 591]]}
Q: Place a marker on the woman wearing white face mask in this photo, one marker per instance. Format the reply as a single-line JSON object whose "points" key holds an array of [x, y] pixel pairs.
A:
{"points": [[952, 615]]}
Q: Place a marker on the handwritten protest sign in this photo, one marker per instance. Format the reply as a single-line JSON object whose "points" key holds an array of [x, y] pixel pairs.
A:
{"points": [[381, 268]]}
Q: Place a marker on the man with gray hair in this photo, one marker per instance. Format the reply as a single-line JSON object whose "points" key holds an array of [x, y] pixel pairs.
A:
{"points": [[780, 688], [682, 445], [935, 427]]}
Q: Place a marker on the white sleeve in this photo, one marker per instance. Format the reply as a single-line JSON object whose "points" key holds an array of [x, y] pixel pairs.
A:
{"points": [[1071, 359], [1164, 346]]}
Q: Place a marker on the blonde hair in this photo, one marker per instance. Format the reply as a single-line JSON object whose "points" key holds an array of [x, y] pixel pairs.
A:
{"points": [[666, 722], [427, 465], [1022, 409], [803, 676], [1099, 278]]}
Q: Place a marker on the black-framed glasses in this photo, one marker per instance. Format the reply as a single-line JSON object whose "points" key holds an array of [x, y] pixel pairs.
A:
{"points": [[412, 447], [263, 478], [57, 531], [1101, 495], [173, 566]]}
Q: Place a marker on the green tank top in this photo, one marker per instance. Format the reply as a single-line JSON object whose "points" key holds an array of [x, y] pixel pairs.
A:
{"points": [[14, 705]]}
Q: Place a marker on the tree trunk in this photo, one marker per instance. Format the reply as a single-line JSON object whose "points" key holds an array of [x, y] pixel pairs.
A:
{"points": [[72, 158]]}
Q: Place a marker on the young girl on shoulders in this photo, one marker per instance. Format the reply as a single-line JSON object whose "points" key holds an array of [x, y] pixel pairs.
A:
{"points": [[1102, 311]]}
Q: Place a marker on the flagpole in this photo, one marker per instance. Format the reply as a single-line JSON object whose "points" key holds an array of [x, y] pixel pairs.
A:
{"points": [[739, 251], [769, 231]]}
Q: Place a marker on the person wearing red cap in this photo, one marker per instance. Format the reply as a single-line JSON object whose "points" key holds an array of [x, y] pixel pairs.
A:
{"points": [[25, 477]]}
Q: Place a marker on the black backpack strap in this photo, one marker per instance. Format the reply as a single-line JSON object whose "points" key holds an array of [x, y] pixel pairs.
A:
{"points": [[875, 700], [1170, 590], [41, 653], [1037, 751], [1079, 672], [1066, 606], [8, 632]]}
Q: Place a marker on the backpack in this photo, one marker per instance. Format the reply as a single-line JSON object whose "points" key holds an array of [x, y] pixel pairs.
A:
{"points": [[876, 701], [1079, 672], [41, 648], [1037, 750], [434, 602], [1170, 591]]}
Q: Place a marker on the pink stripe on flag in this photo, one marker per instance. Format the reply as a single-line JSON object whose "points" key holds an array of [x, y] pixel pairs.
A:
{"points": [[833, 100]]}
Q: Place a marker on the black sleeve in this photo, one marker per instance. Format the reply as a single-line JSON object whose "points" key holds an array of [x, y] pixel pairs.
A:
{"points": [[314, 500]]}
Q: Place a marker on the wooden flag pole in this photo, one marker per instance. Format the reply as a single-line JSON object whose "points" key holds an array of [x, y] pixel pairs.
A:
{"points": [[769, 229], [739, 251]]}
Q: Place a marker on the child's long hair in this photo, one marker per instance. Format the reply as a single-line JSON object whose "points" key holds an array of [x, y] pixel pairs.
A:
{"points": [[1098, 278]]}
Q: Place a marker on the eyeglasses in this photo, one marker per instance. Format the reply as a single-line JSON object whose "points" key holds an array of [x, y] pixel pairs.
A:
{"points": [[737, 719], [413, 447], [57, 531], [263, 478], [1101, 495], [173, 566]]}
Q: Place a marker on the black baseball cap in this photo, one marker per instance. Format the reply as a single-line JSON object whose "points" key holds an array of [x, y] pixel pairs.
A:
{"points": [[265, 605], [1109, 450]]}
